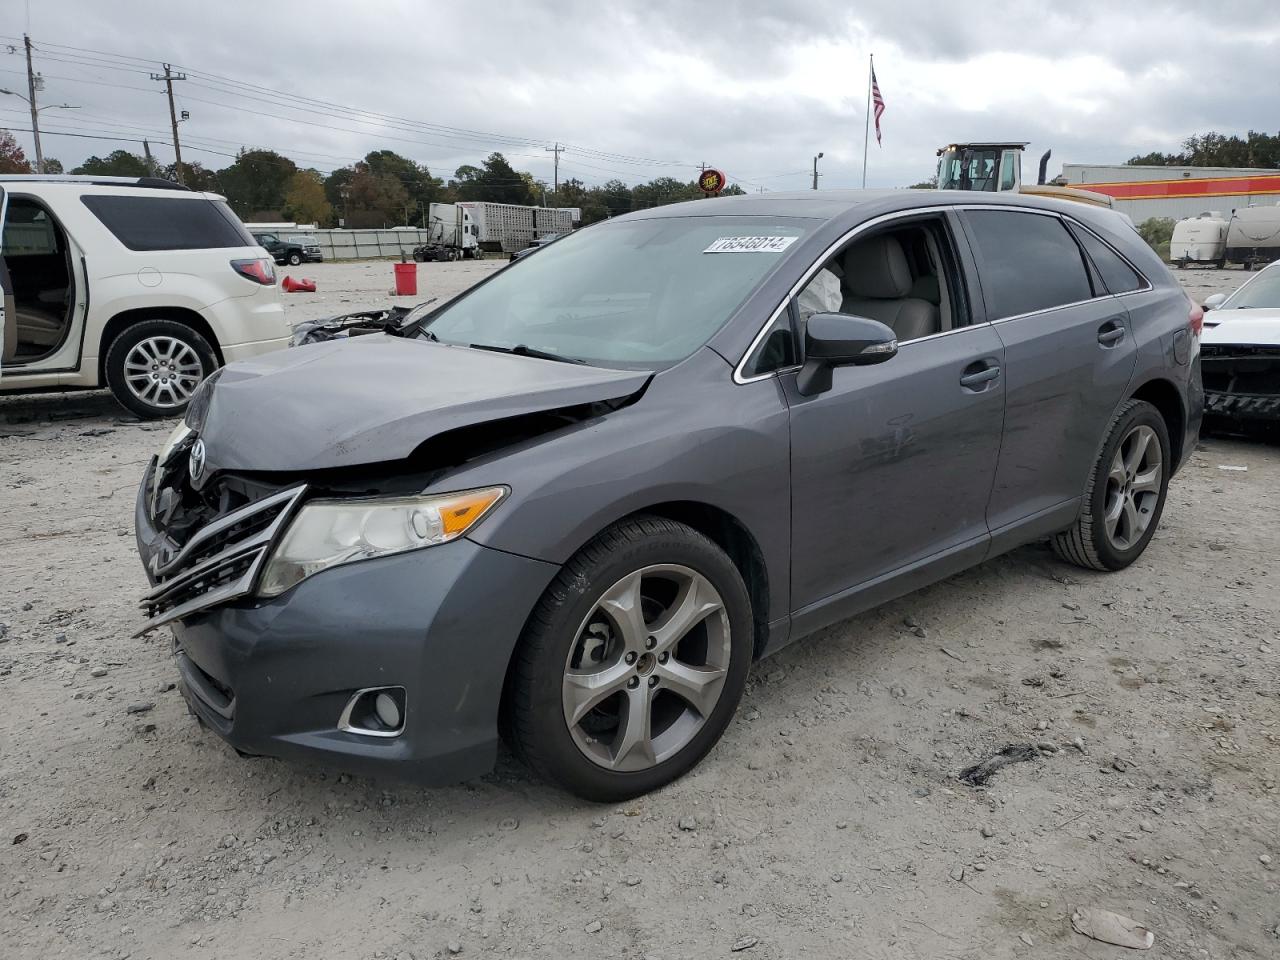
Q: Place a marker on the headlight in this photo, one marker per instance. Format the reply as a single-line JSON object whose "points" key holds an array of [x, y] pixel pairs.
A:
{"points": [[326, 533]]}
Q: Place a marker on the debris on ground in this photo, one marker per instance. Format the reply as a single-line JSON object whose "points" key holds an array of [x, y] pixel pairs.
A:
{"points": [[744, 943], [978, 774], [1111, 927]]}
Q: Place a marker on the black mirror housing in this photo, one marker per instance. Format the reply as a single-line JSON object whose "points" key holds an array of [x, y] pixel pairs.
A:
{"points": [[838, 340]]}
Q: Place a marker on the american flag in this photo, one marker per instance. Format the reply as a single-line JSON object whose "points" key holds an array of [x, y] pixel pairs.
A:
{"points": [[877, 102]]}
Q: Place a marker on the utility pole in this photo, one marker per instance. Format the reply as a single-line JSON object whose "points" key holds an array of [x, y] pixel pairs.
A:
{"points": [[557, 150], [151, 164], [168, 77], [815, 169], [35, 112]]}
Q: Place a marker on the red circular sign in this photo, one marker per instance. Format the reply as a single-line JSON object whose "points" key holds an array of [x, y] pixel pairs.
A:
{"points": [[712, 181]]}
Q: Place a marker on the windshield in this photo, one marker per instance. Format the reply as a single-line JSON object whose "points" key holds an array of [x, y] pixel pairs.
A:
{"points": [[1262, 291], [638, 293], [968, 169]]}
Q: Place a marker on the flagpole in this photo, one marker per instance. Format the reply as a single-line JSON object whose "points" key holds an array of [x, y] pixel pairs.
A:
{"points": [[866, 126]]}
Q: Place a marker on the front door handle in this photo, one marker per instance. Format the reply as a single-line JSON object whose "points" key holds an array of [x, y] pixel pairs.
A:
{"points": [[979, 373], [1111, 333]]}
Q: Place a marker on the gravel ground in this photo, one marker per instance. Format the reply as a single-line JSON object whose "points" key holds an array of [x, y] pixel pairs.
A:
{"points": [[830, 821]]}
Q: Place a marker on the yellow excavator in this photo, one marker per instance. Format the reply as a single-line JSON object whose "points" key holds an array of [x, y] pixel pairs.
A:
{"points": [[997, 167]]}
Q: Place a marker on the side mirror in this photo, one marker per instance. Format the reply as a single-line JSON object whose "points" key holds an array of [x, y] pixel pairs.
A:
{"points": [[841, 340], [1215, 301]]}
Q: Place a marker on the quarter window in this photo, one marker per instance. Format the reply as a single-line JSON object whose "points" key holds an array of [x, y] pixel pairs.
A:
{"points": [[169, 223], [1118, 276], [1029, 262]]}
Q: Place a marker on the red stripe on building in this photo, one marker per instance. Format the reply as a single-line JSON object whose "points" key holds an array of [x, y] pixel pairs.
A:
{"points": [[1205, 187]]}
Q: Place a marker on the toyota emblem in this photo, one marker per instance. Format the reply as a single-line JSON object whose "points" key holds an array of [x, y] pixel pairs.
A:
{"points": [[195, 462]]}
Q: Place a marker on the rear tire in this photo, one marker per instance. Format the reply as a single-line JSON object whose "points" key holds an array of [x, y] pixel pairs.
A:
{"points": [[1125, 495], [678, 668], [148, 351]]}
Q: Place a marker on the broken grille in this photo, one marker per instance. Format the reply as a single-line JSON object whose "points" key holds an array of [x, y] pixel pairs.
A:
{"points": [[219, 563]]}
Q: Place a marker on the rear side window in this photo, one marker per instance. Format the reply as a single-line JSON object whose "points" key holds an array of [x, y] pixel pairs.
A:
{"points": [[1116, 274], [1029, 262], [164, 223]]}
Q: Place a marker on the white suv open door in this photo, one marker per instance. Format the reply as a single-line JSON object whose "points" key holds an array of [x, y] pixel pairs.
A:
{"points": [[8, 332]]}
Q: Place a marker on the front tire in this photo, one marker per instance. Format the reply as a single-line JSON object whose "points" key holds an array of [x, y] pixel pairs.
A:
{"points": [[295, 259], [633, 661], [154, 367], [1126, 492]]}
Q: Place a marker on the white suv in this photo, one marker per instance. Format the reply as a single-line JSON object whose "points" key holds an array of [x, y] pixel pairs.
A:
{"points": [[139, 285]]}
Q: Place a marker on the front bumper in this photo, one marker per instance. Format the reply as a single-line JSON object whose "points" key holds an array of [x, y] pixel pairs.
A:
{"points": [[1242, 406], [271, 677]]}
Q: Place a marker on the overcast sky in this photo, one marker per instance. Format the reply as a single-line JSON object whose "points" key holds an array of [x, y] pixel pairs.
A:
{"points": [[652, 88]]}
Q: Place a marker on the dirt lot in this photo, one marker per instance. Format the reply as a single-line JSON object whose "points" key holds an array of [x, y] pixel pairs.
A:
{"points": [[828, 823]]}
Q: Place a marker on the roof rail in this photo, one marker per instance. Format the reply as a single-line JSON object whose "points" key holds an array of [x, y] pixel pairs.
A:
{"points": [[151, 183]]}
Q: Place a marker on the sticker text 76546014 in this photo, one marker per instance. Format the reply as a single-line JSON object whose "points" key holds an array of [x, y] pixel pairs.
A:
{"points": [[750, 245]]}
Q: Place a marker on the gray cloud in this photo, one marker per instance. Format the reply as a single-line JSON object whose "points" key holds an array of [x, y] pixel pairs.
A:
{"points": [[755, 86]]}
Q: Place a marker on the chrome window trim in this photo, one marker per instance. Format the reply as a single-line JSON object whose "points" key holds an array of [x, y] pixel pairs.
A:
{"points": [[740, 378]]}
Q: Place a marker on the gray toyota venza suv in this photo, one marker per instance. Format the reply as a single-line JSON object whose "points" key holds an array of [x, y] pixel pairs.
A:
{"points": [[574, 504]]}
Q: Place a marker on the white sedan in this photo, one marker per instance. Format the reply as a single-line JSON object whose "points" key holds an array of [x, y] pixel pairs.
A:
{"points": [[1240, 350]]}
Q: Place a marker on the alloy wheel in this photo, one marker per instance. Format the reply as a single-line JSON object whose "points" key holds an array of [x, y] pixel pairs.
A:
{"points": [[647, 667], [163, 371], [1133, 487]]}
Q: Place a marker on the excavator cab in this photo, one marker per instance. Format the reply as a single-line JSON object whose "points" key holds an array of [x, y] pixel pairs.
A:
{"points": [[988, 167], [997, 168]]}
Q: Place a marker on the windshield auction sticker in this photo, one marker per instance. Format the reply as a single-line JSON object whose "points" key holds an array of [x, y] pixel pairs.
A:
{"points": [[750, 245]]}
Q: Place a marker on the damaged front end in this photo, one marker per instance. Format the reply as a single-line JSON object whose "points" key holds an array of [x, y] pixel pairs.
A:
{"points": [[1241, 381], [395, 321]]}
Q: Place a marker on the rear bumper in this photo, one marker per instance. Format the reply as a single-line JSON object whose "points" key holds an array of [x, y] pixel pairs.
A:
{"points": [[271, 677]]}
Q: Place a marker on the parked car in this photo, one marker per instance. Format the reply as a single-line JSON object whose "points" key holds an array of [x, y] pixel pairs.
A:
{"points": [[134, 284], [1241, 351], [578, 501], [291, 250]]}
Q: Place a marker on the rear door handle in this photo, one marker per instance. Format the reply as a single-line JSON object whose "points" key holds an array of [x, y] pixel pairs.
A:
{"points": [[1111, 333], [976, 374]]}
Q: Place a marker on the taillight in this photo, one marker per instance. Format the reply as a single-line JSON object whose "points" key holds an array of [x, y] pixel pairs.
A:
{"points": [[1195, 320], [261, 271]]}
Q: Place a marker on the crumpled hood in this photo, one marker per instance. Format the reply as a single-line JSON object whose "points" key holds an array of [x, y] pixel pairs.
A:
{"points": [[1258, 327], [376, 398]]}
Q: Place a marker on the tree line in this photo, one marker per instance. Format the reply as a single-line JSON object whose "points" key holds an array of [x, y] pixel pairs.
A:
{"points": [[384, 189], [1219, 150]]}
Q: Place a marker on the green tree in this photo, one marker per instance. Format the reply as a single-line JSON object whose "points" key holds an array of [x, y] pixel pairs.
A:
{"points": [[1219, 150], [12, 159], [374, 199], [304, 200], [255, 184], [195, 175], [118, 163], [494, 181], [1157, 231], [53, 166], [420, 186]]}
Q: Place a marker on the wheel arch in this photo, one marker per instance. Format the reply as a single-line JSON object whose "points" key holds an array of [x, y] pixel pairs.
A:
{"points": [[1164, 396], [127, 318]]}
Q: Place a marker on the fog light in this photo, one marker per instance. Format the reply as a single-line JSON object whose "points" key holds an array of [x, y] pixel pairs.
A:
{"points": [[388, 711], [374, 712]]}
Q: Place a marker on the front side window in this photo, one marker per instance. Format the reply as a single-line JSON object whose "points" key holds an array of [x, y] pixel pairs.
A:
{"points": [[169, 223], [1028, 262], [639, 293]]}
